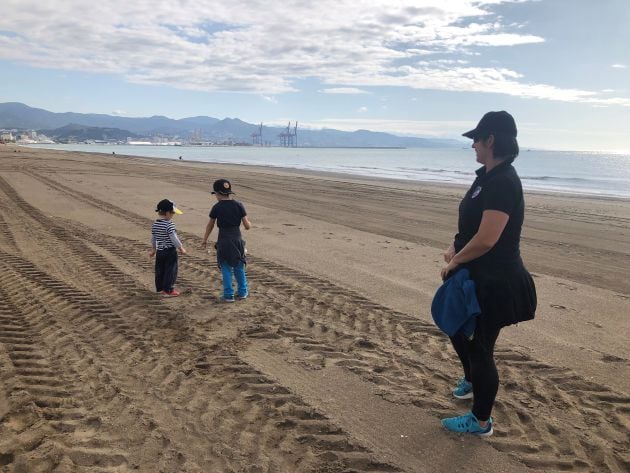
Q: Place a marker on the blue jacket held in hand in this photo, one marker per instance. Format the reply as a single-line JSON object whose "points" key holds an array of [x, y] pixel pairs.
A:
{"points": [[455, 306]]}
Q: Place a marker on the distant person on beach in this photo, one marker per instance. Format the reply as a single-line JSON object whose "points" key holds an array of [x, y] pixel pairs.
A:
{"points": [[228, 214], [164, 246], [487, 244]]}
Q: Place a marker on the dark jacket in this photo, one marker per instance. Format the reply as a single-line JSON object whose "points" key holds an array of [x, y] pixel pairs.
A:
{"points": [[455, 307]]}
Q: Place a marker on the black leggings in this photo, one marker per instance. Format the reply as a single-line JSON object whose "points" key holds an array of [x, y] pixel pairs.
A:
{"points": [[477, 357], [165, 269]]}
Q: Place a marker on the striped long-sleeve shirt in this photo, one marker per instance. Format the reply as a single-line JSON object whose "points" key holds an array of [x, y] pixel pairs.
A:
{"points": [[164, 235]]}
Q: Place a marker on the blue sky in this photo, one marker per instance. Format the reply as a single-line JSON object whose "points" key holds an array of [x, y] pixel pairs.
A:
{"points": [[420, 68]]}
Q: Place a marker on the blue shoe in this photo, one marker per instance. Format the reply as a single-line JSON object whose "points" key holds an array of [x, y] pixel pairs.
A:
{"points": [[463, 390], [468, 424]]}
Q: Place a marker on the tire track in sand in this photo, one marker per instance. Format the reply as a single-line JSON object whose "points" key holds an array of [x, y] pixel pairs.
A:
{"points": [[48, 393], [548, 444], [295, 424], [247, 399], [65, 318]]}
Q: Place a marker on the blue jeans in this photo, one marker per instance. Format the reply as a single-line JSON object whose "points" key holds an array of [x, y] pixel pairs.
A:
{"points": [[239, 275]]}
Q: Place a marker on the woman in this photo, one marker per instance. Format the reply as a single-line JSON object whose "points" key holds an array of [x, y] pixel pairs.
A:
{"points": [[487, 244]]}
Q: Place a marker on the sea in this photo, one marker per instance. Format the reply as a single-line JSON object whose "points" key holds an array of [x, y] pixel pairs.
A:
{"points": [[573, 172]]}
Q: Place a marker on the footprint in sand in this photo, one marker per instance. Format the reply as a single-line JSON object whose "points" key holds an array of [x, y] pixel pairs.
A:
{"points": [[561, 307], [569, 287], [613, 359]]}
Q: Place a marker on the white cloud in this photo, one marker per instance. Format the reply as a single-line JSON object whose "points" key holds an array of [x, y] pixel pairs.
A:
{"points": [[269, 98], [619, 66], [119, 113], [362, 109], [266, 47], [344, 90]]}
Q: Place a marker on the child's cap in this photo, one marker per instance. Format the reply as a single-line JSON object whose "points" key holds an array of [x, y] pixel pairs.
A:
{"points": [[166, 205], [222, 186]]}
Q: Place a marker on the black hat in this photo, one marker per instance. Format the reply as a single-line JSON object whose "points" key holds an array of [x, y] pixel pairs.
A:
{"points": [[494, 123], [222, 186], [166, 205]]}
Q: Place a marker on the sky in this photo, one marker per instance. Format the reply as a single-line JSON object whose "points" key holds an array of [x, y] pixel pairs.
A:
{"points": [[411, 67]]}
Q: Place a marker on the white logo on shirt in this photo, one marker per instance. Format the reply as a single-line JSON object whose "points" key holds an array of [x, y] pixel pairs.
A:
{"points": [[476, 192]]}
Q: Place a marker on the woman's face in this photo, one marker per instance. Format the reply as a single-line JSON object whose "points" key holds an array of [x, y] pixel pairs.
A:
{"points": [[483, 149]]}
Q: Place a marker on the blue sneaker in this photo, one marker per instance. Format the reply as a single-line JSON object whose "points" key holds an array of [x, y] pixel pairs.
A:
{"points": [[463, 390], [468, 424]]}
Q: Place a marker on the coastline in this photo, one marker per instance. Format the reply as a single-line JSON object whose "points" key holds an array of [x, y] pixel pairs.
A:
{"points": [[343, 271], [529, 188]]}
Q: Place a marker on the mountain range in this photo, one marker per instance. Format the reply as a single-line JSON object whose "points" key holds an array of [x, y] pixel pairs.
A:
{"points": [[14, 115], [74, 132]]}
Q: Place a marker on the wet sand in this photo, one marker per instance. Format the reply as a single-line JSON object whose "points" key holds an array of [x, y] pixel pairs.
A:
{"points": [[332, 364]]}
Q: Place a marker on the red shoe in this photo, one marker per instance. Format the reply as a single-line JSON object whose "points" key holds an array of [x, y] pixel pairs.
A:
{"points": [[173, 293]]}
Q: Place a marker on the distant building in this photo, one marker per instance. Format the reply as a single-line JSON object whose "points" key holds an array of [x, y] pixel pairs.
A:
{"points": [[7, 137]]}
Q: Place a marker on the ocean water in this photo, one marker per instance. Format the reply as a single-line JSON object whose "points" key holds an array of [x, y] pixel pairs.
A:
{"points": [[576, 172]]}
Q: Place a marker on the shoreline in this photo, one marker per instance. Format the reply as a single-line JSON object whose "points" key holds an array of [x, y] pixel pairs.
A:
{"points": [[351, 176]]}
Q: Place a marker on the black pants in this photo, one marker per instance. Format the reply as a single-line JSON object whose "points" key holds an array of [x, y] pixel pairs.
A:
{"points": [[477, 357], [165, 269]]}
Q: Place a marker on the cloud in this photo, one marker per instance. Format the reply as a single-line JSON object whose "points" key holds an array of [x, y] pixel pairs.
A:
{"points": [[119, 113], [270, 99], [344, 90], [619, 66], [362, 109], [265, 48]]}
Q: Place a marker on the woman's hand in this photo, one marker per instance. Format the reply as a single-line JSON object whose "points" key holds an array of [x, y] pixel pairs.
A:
{"points": [[448, 256], [448, 269]]}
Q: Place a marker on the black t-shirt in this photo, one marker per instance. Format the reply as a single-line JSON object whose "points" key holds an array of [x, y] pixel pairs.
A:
{"points": [[228, 214], [500, 189]]}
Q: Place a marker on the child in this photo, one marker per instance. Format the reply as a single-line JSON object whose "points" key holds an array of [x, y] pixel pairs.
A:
{"points": [[228, 215], [165, 243]]}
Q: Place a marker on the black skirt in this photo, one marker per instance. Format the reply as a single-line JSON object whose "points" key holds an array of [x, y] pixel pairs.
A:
{"points": [[231, 251], [506, 293]]}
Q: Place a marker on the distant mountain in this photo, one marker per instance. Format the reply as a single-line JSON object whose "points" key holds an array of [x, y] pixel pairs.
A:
{"points": [[20, 116], [74, 132], [368, 139]]}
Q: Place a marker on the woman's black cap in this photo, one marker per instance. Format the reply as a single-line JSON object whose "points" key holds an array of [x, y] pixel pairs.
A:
{"points": [[494, 123], [222, 186]]}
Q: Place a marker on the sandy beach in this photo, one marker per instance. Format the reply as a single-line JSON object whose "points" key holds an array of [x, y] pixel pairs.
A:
{"points": [[332, 365]]}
